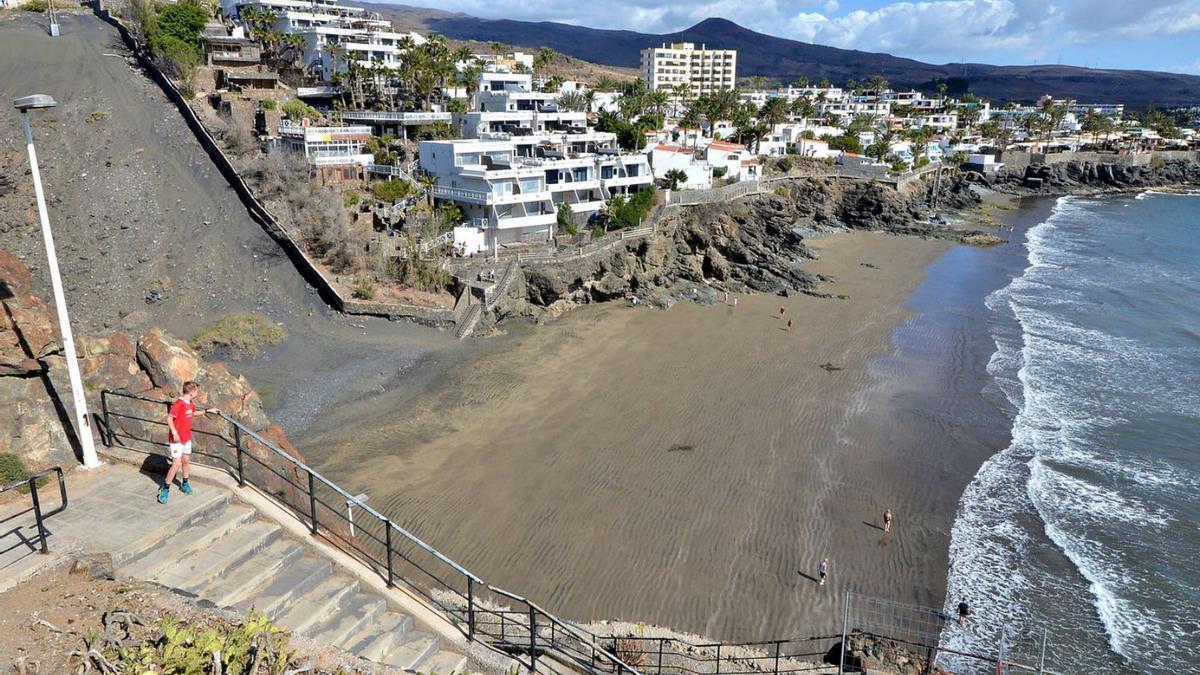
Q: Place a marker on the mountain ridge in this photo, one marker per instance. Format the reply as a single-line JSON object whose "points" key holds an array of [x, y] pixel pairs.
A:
{"points": [[784, 59]]}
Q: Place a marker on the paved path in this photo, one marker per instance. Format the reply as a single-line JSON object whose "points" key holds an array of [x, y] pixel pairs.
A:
{"points": [[220, 549]]}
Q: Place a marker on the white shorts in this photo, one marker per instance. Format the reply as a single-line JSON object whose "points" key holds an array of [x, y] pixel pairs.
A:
{"points": [[180, 449]]}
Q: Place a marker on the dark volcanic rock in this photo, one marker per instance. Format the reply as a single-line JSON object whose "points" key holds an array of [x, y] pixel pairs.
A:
{"points": [[1089, 176]]}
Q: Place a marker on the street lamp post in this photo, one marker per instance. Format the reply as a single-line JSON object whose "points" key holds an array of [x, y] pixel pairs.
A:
{"points": [[83, 427]]}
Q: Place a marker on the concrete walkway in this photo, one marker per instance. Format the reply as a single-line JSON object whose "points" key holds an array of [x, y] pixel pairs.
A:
{"points": [[220, 548]]}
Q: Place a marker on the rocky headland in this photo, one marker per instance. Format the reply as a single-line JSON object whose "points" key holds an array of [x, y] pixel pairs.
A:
{"points": [[752, 244], [1086, 177]]}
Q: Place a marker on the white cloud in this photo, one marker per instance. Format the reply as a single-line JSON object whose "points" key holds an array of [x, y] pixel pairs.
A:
{"points": [[831, 7], [1106, 19]]}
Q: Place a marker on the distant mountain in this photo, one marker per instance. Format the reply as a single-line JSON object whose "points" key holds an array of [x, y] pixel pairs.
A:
{"points": [[775, 57]]}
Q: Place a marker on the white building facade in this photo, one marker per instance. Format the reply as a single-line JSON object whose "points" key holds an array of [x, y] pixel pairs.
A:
{"points": [[701, 71]]}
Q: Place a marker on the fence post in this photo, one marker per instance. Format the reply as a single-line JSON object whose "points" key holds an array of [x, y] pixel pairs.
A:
{"points": [[718, 659], [387, 524], [660, 651], [107, 435], [37, 515], [470, 608], [778, 644], [312, 503], [237, 444], [845, 628], [532, 640]]}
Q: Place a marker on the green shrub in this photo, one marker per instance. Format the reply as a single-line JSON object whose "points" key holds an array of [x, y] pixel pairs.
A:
{"points": [[269, 104], [12, 469], [784, 165], [566, 219], [256, 644], [364, 289], [450, 215], [97, 116], [296, 110], [845, 143], [238, 333], [781, 191], [629, 212], [419, 274], [34, 6], [719, 171], [350, 199], [391, 190]]}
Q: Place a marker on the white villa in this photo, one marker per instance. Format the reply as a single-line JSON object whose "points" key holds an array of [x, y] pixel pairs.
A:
{"points": [[364, 36]]}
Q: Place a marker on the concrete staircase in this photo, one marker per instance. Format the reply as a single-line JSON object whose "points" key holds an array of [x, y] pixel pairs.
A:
{"points": [[218, 549]]}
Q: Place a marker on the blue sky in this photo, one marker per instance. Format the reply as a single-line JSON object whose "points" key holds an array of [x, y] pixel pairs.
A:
{"points": [[1143, 34]]}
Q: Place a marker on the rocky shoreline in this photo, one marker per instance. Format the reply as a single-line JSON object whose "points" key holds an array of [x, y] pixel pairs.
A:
{"points": [[1096, 177], [755, 244]]}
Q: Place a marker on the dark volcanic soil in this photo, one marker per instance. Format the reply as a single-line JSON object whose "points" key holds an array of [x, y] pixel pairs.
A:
{"points": [[149, 233]]}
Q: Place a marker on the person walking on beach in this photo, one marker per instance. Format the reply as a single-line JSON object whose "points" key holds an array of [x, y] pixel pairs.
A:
{"points": [[964, 610], [823, 571], [789, 325], [179, 439], [887, 520], [781, 312]]}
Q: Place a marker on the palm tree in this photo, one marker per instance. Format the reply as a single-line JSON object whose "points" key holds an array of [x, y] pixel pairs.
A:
{"points": [[544, 57], [658, 100], [757, 82], [774, 111], [803, 108], [496, 48], [573, 101], [681, 93], [824, 83], [293, 46], [920, 138], [336, 51], [877, 84], [800, 82]]}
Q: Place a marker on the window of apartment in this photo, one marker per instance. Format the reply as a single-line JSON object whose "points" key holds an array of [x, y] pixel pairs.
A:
{"points": [[579, 174], [606, 172], [504, 188], [529, 185]]}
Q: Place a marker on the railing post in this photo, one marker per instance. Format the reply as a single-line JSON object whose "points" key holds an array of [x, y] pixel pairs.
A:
{"points": [[387, 524], [532, 640], [237, 444], [470, 607], [107, 435], [37, 515], [845, 627], [312, 503], [718, 659], [660, 654], [778, 644]]}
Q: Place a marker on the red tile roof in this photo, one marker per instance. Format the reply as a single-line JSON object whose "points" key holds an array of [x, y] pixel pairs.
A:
{"points": [[672, 148]]}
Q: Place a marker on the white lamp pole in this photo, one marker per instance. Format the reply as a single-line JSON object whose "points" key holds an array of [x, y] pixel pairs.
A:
{"points": [[83, 426]]}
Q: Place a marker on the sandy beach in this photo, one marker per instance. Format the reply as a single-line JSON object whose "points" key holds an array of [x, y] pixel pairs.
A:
{"points": [[685, 467]]}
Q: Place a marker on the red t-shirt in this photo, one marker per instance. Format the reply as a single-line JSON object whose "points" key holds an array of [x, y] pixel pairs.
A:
{"points": [[181, 413]]}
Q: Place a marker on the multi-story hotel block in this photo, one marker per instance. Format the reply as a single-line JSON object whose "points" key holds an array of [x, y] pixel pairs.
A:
{"points": [[702, 71]]}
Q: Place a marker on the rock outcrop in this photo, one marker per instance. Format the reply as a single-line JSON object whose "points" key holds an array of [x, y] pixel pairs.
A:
{"points": [[875, 654], [153, 365], [1090, 177], [752, 244]]}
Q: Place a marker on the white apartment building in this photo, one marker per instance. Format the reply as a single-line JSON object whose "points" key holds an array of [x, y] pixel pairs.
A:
{"points": [[510, 189], [363, 36], [703, 71]]}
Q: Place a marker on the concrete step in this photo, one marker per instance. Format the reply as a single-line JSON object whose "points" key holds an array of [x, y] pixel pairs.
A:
{"points": [[282, 589], [253, 574], [354, 612], [375, 639], [411, 650], [192, 568], [198, 535], [444, 663], [320, 603], [182, 511]]}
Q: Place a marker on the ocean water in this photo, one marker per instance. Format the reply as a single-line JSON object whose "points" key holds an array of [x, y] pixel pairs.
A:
{"points": [[1087, 526]]}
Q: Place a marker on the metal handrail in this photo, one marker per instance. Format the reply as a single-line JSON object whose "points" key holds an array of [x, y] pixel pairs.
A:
{"points": [[38, 516]]}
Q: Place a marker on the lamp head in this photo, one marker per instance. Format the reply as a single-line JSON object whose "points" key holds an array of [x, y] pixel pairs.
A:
{"points": [[35, 102]]}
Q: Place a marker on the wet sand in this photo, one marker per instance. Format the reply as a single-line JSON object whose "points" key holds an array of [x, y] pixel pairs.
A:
{"points": [[686, 467]]}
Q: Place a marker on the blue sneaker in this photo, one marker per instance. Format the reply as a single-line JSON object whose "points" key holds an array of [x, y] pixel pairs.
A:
{"points": [[164, 493], [186, 487]]}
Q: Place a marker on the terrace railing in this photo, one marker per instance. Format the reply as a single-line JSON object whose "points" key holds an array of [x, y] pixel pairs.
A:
{"points": [[31, 483]]}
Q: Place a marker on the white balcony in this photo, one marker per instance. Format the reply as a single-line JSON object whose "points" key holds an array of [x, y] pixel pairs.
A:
{"points": [[488, 198], [543, 219], [618, 181], [568, 186]]}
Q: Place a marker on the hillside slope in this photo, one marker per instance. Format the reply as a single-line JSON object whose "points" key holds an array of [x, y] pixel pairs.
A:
{"points": [[775, 57]]}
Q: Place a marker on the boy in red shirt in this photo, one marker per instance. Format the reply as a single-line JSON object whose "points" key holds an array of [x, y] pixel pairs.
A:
{"points": [[179, 438]]}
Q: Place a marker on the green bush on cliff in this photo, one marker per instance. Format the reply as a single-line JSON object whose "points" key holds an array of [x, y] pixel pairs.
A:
{"points": [[239, 334], [34, 6], [12, 469]]}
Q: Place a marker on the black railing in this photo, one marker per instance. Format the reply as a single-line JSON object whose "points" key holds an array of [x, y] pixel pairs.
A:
{"points": [[31, 483], [534, 637]]}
